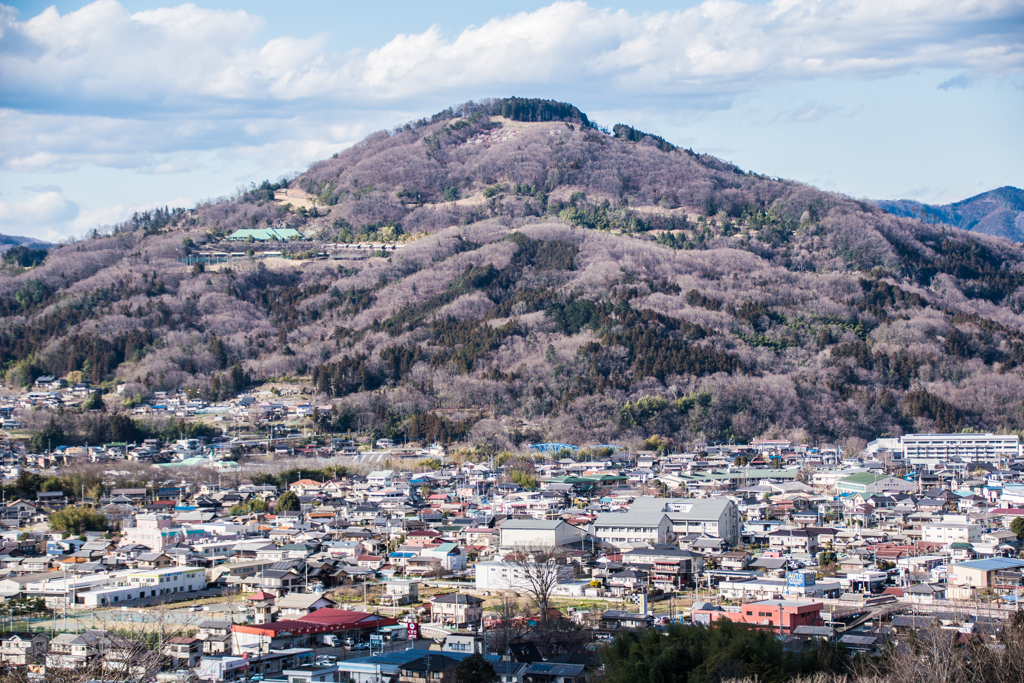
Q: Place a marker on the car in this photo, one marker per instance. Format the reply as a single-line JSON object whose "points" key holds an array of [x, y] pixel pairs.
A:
{"points": [[361, 646]]}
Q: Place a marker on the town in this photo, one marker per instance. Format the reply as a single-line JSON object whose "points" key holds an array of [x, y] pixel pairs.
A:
{"points": [[284, 554]]}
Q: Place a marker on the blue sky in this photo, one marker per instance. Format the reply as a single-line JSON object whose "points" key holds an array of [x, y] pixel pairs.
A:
{"points": [[109, 107]]}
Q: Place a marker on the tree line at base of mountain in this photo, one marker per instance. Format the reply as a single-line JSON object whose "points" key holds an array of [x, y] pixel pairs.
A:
{"points": [[97, 427]]}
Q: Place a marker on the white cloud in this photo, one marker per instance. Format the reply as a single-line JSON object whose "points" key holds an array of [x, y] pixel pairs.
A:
{"points": [[161, 84], [42, 211], [53, 217], [171, 57], [50, 215], [112, 215]]}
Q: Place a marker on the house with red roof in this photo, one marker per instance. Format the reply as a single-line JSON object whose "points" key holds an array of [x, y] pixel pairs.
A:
{"points": [[305, 631]]}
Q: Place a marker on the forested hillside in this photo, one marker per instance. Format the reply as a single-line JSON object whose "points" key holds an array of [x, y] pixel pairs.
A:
{"points": [[553, 282]]}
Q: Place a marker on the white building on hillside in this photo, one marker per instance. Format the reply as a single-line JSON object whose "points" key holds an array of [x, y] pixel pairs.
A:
{"points": [[624, 529], [381, 478], [952, 529], [717, 517], [500, 576], [922, 449], [535, 532]]}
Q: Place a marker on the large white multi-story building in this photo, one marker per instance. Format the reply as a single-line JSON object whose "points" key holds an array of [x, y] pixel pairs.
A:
{"points": [[928, 450], [624, 529], [951, 532], [500, 576], [717, 517]]}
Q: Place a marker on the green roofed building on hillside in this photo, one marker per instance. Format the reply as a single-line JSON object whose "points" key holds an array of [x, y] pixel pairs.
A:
{"points": [[266, 235]]}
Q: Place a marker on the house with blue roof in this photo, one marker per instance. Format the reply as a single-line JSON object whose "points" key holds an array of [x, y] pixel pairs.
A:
{"points": [[452, 556], [987, 573]]}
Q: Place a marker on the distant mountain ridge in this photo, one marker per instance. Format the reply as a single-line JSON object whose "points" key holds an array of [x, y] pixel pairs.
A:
{"points": [[11, 241], [999, 212]]}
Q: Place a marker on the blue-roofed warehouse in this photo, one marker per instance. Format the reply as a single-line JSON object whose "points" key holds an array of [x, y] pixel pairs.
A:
{"points": [[982, 573]]}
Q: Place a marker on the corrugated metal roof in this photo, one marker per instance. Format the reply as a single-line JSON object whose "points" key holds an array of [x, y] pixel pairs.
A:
{"points": [[991, 564]]}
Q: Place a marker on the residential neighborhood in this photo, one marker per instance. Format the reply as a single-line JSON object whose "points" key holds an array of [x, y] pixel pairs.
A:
{"points": [[356, 568]]}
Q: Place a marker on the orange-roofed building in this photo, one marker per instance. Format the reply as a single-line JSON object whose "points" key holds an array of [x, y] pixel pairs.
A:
{"points": [[778, 615], [305, 487]]}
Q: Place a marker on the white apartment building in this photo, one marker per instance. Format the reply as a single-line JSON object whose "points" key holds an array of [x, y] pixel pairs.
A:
{"points": [[106, 589], [991, 448], [534, 504], [388, 497], [172, 580], [381, 478], [827, 479], [623, 528], [718, 517], [951, 532], [501, 576]]}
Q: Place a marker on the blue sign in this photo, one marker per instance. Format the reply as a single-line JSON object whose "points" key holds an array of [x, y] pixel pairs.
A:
{"points": [[800, 579]]}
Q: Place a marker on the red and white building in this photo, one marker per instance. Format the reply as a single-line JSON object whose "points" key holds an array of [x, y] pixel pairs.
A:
{"points": [[304, 631], [778, 615]]}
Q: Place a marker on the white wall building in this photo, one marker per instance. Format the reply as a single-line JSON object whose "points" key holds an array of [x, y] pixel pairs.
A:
{"points": [[621, 529], [990, 448], [110, 595], [534, 532], [381, 478], [164, 581], [500, 576], [951, 532], [718, 517]]}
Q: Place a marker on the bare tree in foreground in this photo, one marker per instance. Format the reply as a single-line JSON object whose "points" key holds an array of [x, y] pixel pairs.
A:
{"points": [[540, 568]]}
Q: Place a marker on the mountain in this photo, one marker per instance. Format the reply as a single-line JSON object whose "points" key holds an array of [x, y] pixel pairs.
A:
{"points": [[9, 241], [552, 281], [999, 212]]}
